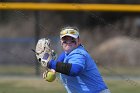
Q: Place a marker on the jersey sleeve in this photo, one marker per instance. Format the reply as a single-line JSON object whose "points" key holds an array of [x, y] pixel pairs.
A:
{"points": [[78, 59]]}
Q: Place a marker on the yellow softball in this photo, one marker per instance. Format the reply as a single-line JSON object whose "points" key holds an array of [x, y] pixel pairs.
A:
{"points": [[50, 76]]}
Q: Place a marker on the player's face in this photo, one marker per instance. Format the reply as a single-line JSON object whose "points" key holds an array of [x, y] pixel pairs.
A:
{"points": [[68, 43]]}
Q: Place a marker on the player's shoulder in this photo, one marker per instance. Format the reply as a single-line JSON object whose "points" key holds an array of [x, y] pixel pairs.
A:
{"points": [[80, 50]]}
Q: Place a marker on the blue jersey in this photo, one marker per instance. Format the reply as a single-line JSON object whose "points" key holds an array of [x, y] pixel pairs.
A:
{"points": [[89, 80]]}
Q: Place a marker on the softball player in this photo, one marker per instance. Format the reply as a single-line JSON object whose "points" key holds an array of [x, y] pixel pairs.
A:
{"points": [[78, 71]]}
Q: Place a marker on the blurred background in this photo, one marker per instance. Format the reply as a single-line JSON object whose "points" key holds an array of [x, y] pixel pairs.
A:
{"points": [[112, 39]]}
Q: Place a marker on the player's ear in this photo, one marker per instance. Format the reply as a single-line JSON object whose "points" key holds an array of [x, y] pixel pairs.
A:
{"points": [[79, 41]]}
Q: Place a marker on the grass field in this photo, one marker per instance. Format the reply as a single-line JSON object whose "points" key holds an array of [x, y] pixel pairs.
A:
{"points": [[30, 70], [109, 71], [114, 71], [29, 85], [13, 80], [17, 70], [123, 86], [38, 85]]}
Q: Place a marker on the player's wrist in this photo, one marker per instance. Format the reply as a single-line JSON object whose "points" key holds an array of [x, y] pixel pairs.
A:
{"points": [[52, 64]]}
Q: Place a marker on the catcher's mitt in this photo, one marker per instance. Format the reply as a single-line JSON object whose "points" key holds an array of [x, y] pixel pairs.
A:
{"points": [[43, 51]]}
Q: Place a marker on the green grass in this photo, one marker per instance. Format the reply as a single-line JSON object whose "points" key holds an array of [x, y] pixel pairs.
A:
{"points": [[122, 86], [29, 85], [17, 70], [116, 71], [107, 71], [38, 85]]}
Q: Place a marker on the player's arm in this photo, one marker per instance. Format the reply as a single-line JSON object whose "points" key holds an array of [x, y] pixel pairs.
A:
{"points": [[66, 68], [73, 68], [61, 57]]}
